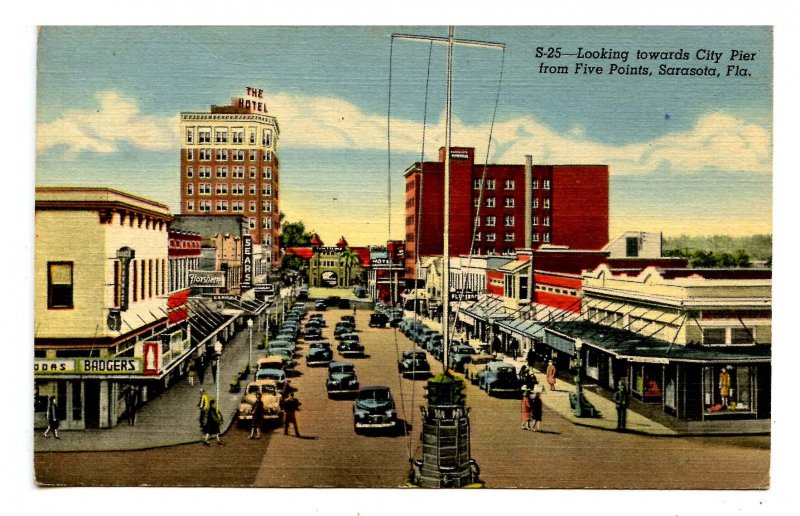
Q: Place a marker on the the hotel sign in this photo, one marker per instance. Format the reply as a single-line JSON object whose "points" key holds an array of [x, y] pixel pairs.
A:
{"points": [[247, 262], [214, 279], [254, 100], [88, 366]]}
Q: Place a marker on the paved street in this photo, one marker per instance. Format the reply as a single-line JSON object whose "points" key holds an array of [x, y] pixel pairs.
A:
{"points": [[331, 454]]}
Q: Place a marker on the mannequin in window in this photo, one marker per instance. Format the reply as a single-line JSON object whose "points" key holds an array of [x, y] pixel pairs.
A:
{"points": [[724, 386]]}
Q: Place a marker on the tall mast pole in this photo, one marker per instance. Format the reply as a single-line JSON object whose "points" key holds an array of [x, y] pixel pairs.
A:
{"points": [[446, 249]]}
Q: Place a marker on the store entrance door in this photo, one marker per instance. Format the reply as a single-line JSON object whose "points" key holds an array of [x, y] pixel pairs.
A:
{"points": [[92, 403]]}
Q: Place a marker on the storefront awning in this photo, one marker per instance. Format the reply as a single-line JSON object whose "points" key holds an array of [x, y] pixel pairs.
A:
{"points": [[524, 327], [514, 266]]}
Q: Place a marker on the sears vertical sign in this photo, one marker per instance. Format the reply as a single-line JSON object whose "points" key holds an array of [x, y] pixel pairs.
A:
{"points": [[247, 262]]}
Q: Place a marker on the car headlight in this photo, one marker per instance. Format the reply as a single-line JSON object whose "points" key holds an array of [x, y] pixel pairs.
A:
{"points": [[390, 413]]}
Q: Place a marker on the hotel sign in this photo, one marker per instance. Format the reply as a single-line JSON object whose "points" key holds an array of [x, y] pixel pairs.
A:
{"points": [[254, 100], [206, 279]]}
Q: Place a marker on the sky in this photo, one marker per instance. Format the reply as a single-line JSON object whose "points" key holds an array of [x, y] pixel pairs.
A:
{"points": [[687, 155]]}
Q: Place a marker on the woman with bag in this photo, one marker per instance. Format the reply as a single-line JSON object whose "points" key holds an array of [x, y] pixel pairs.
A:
{"points": [[213, 423]]}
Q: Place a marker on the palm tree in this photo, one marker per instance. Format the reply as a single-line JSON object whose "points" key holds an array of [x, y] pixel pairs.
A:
{"points": [[348, 259]]}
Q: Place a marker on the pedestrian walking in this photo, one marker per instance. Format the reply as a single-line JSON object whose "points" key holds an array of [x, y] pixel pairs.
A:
{"points": [[622, 399], [52, 417], [290, 406], [536, 410], [551, 375], [526, 410], [213, 423], [203, 405], [131, 404], [258, 418], [192, 371], [201, 368], [530, 358]]}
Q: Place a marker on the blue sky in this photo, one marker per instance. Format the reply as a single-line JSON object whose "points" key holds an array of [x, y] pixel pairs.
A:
{"points": [[687, 155]]}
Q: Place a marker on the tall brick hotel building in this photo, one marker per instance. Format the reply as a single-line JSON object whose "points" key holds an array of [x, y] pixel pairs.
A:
{"points": [[229, 166], [568, 206]]}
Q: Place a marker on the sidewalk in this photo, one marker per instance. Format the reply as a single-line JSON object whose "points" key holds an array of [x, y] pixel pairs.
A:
{"points": [[171, 418]]}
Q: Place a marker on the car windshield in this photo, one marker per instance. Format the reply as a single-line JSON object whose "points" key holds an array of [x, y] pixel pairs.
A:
{"points": [[271, 374], [252, 389], [464, 350], [374, 394], [344, 368], [269, 389], [416, 355]]}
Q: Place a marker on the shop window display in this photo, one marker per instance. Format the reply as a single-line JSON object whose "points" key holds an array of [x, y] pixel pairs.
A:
{"points": [[728, 389]]}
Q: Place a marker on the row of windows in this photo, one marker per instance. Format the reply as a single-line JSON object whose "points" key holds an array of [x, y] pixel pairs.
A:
{"points": [[491, 220], [491, 202], [509, 184], [237, 172], [491, 237], [225, 188], [222, 206], [224, 154], [221, 135], [556, 290]]}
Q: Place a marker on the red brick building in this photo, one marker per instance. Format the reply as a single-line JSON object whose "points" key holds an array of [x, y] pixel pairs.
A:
{"points": [[230, 166], [568, 206]]}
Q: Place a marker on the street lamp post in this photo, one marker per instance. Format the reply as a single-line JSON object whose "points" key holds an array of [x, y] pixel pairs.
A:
{"points": [[250, 349], [217, 355]]}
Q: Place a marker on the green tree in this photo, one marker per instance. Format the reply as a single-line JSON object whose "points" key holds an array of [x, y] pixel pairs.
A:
{"points": [[294, 234], [349, 259]]}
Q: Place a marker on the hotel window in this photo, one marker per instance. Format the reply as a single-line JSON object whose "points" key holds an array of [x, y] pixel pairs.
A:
{"points": [[205, 154], [534, 220], [476, 202], [251, 222], [59, 285], [189, 154], [204, 135], [266, 138], [546, 238], [535, 203], [266, 190], [268, 156], [490, 220], [546, 203], [253, 172], [189, 171], [508, 220], [221, 135], [205, 188], [204, 172], [252, 155], [266, 207], [546, 184], [238, 135], [535, 237], [238, 173], [237, 206], [266, 223], [205, 206], [266, 173], [509, 237], [238, 189], [546, 221], [222, 172], [476, 184], [222, 188], [189, 205], [190, 135], [490, 237], [477, 222], [490, 184], [509, 202], [252, 132], [253, 206], [238, 155], [509, 184], [478, 236], [252, 188], [490, 202], [535, 184], [222, 155], [190, 189], [222, 205]]}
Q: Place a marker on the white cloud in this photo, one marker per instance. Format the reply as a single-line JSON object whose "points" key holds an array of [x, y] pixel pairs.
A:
{"points": [[118, 119], [718, 141]]}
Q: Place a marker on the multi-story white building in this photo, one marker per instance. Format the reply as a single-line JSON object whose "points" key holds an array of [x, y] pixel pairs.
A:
{"points": [[230, 166]]}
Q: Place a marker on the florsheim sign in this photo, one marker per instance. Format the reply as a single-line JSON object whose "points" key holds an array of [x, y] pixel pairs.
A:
{"points": [[206, 279]]}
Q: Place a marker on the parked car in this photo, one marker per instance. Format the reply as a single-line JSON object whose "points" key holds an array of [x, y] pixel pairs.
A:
{"points": [[499, 377], [270, 397], [350, 348], [289, 345], [319, 353], [378, 320], [333, 300], [344, 304], [422, 335], [430, 339], [342, 328], [459, 356], [312, 333], [477, 363], [349, 318], [414, 363], [342, 379], [374, 408], [271, 368], [318, 319], [285, 355], [320, 306]]}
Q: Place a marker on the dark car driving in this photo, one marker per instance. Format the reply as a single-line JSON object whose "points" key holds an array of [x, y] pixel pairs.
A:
{"points": [[414, 363], [342, 379], [319, 353], [374, 409]]}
